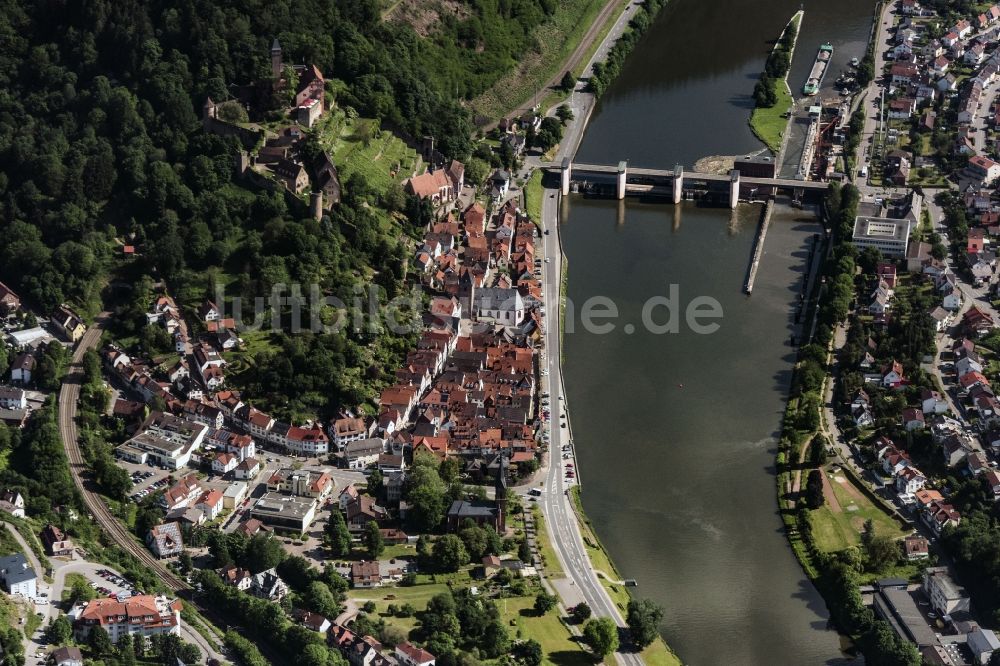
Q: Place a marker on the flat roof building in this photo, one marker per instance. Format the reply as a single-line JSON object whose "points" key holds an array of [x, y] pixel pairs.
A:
{"points": [[285, 512], [166, 440], [900, 610], [888, 236]]}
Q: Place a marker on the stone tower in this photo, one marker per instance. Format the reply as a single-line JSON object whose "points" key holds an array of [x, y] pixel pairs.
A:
{"points": [[501, 495], [208, 112], [316, 205], [276, 60]]}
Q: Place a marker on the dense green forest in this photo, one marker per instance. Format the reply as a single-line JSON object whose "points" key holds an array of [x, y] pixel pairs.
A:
{"points": [[101, 144]]}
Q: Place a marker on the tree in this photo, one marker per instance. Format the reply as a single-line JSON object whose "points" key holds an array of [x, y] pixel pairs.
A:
{"points": [[643, 620], [601, 634], [126, 650], [337, 535], [530, 652], [814, 489], [59, 630], [581, 612], [568, 82], [544, 603], [99, 641], [449, 554], [564, 113], [185, 561], [373, 540], [319, 599], [426, 493]]}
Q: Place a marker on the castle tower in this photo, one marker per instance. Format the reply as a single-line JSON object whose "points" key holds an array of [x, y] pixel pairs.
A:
{"points": [[316, 205], [207, 111], [276, 60]]}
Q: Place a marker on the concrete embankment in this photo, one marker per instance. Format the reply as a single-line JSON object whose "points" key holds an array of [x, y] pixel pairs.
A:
{"points": [[758, 248]]}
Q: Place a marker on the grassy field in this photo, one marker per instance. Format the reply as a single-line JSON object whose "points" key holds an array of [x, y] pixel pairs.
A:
{"points": [[835, 528], [533, 194], [767, 123], [556, 40], [554, 637], [360, 146]]}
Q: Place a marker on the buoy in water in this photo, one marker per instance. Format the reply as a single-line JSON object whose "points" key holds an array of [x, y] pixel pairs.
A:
{"points": [[680, 386]]}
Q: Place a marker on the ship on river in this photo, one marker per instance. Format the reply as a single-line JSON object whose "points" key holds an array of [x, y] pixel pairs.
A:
{"points": [[818, 70]]}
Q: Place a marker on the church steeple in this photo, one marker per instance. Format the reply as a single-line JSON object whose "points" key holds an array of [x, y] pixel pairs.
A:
{"points": [[500, 487]]}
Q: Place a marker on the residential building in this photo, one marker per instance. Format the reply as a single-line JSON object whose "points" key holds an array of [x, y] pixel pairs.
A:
{"points": [[915, 547], [210, 503], [301, 482], [56, 543], [224, 463], [362, 511], [311, 620], [66, 656], [363, 453], [140, 616], [12, 397], [268, 585], [348, 429], [234, 493], [12, 502], [409, 654], [17, 576], [164, 439], [247, 470], [982, 643], [165, 540], [236, 577], [22, 368], [9, 301], [184, 491], [365, 574], [983, 168], [945, 594]]}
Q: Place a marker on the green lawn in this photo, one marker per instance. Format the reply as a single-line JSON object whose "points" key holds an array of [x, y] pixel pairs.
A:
{"points": [[767, 123], [416, 595], [360, 146], [836, 530], [533, 194], [554, 637]]}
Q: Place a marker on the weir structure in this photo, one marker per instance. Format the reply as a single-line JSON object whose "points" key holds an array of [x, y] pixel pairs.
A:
{"points": [[622, 180]]}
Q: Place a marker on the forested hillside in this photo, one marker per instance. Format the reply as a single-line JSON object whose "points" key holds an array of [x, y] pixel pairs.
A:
{"points": [[101, 143]]}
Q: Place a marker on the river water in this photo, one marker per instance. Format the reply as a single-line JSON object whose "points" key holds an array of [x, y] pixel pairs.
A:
{"points": [[676, 433]]}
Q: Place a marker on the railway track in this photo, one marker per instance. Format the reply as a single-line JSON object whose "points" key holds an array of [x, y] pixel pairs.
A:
{"points": [[69, 396]]}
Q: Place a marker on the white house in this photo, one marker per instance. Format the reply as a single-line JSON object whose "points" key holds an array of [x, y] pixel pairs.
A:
{"points": [[410, 655], [983, 643], [18, 577], [224, 463], [910, 480]]}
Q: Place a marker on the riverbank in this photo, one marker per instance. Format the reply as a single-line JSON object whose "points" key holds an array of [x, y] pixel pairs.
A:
{"points": [[769, 123]]}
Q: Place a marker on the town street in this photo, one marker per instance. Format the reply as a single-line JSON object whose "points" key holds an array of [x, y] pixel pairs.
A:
{"points": [[557, 506]]}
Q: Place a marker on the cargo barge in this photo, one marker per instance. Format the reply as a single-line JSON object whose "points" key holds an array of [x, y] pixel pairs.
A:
{"points": [[818, 70]]}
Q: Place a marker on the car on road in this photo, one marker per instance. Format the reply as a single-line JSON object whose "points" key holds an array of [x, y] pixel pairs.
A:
{"points": [[546, 232], [548, 259]]}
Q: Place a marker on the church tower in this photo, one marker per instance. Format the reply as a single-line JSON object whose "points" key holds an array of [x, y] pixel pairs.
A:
{"points": [[276, 60], [501, 495]]}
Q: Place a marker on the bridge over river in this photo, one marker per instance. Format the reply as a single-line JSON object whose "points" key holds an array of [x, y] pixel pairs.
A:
{"points": [[622, 180]]}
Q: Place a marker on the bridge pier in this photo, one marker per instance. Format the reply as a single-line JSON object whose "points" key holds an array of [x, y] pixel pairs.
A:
{"points": [[622, 173], [678, 183], [567, 173], [734, 188]]}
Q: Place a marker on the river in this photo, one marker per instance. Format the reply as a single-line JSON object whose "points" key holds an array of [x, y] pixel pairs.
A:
{"points": [[676, 433]]}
